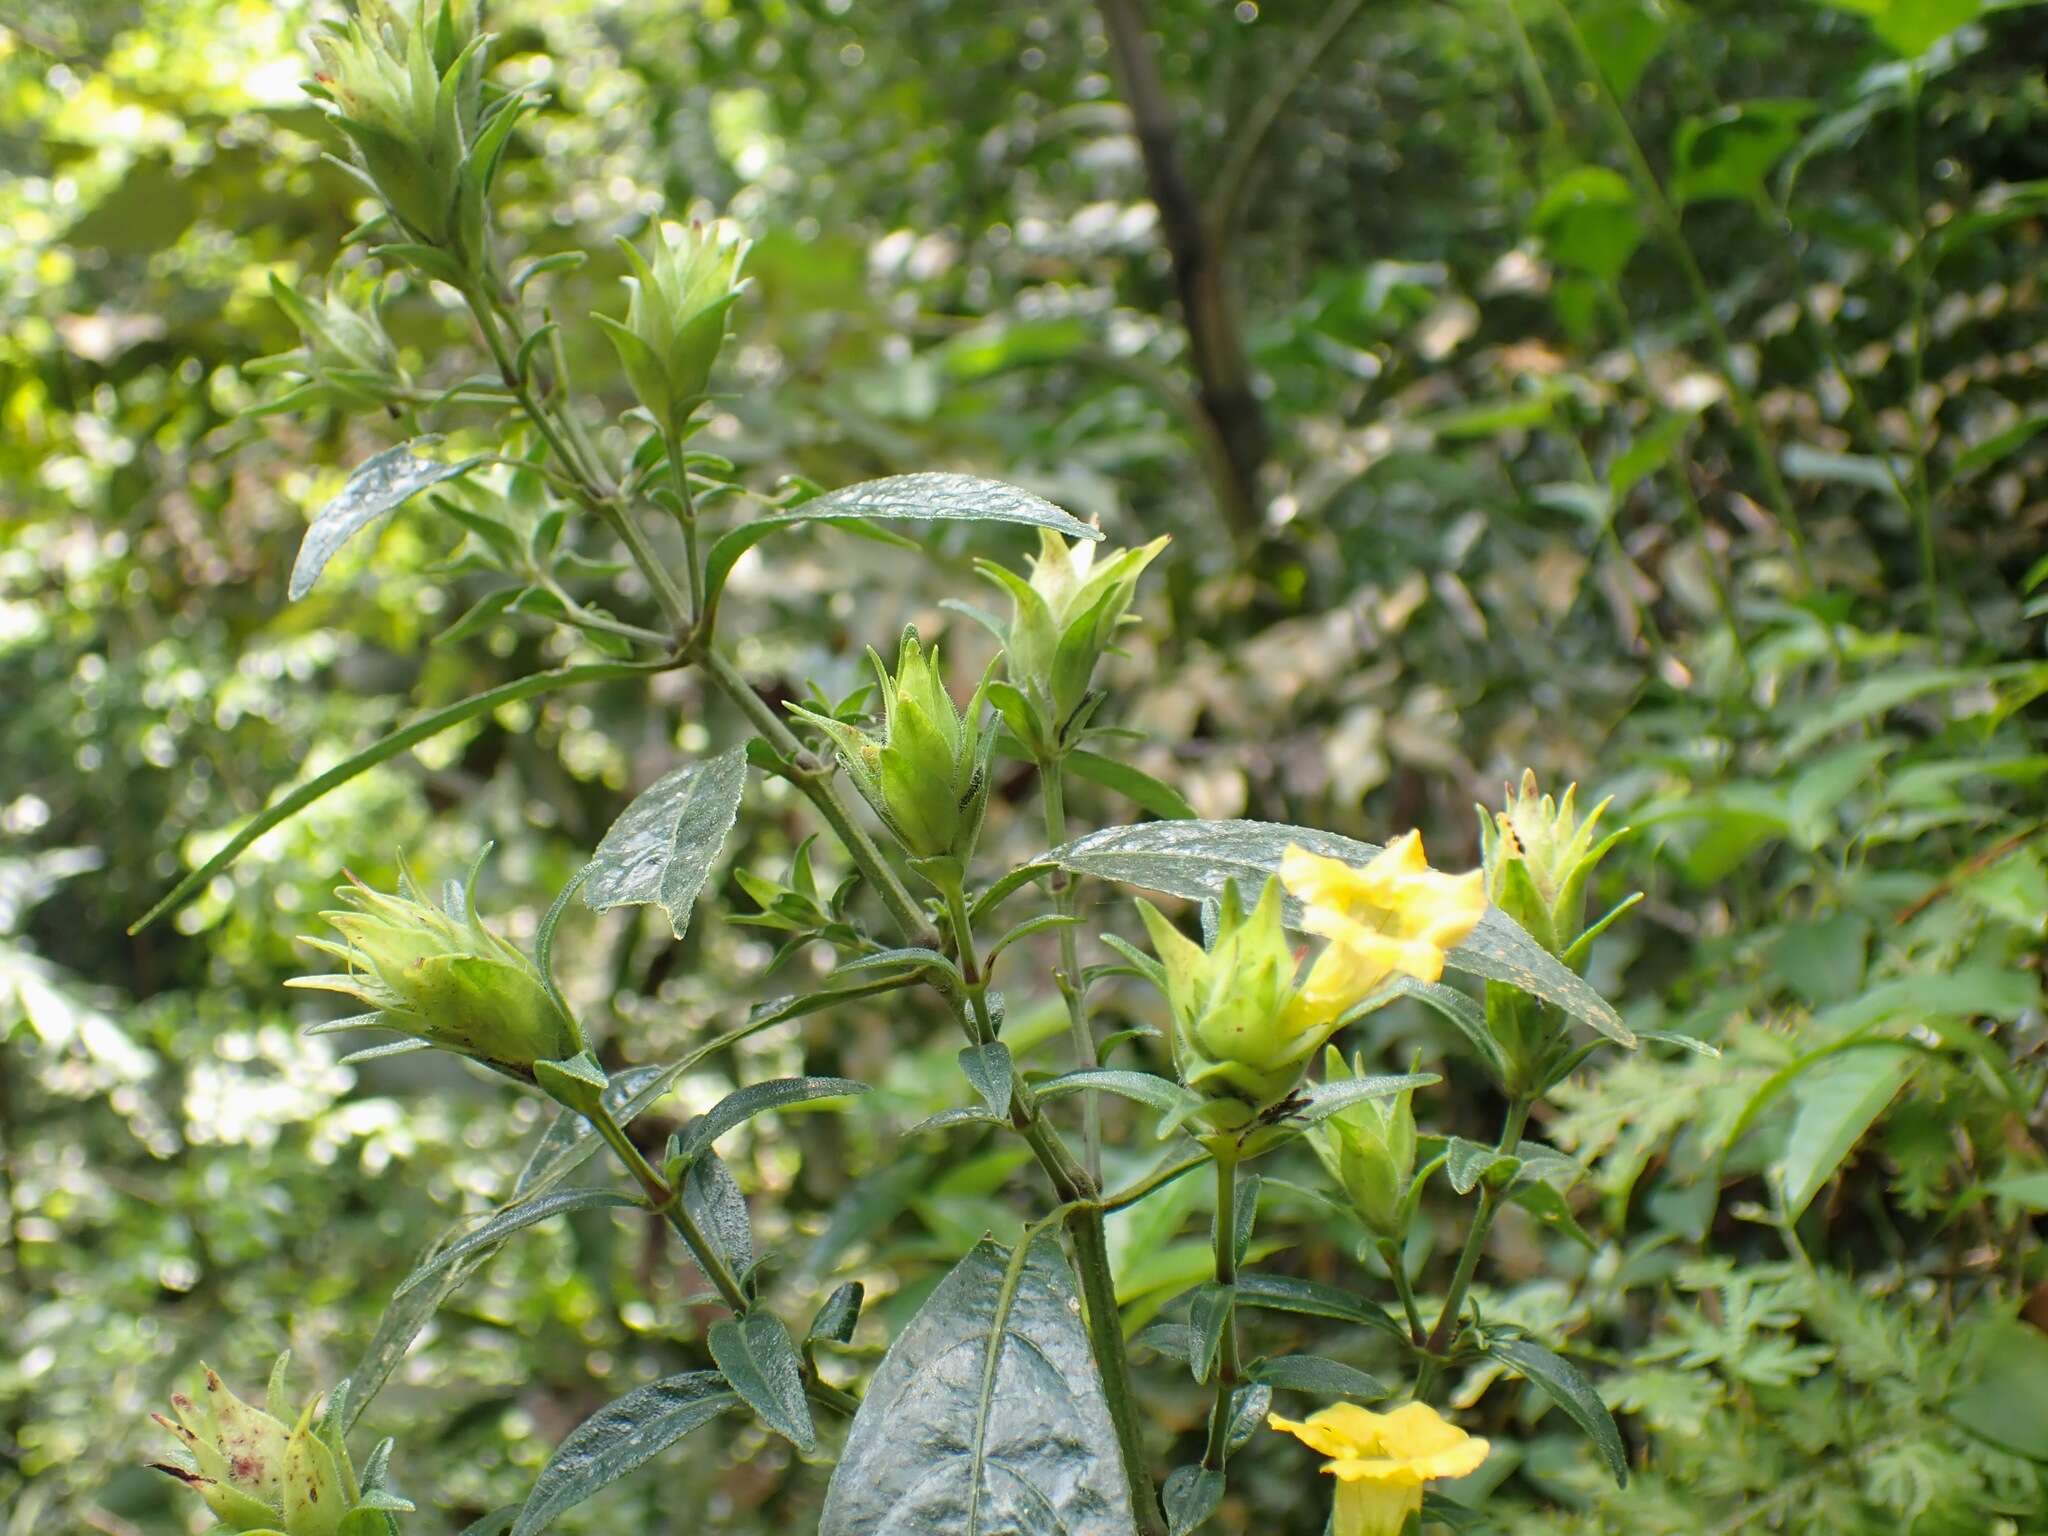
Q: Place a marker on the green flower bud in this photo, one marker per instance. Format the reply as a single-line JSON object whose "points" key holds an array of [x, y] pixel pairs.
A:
{"points": [[344, 359], [927, 774], [442, 977], [676, 319], [1368, 1148], [407, 92], [1538, 857], [256, 1475], [1240, 1036], [1064, 618]]}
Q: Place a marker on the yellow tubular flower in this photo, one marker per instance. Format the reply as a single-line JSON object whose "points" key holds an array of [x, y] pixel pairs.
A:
{"points": [[1395, 915], [1381, 1460]]}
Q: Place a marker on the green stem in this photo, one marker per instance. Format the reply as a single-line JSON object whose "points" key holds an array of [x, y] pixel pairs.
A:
{"points": [[1077, 1189], [667, 1199], [817, 787], [590, 491], [1229, 1364], [1397, 1266], [981, 1023], [1106, 1342], [1447, 1319], [1053, 794], [686, 514]]}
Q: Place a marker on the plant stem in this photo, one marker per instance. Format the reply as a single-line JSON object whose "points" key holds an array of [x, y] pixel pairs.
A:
{"points": [[1468, 1258], [686, 514], [981, 1024], [817, 787], [1072, 1182], [1229, 1365], [1397, 1266], [595, 497], [667, 1199], [1077, 1189], [1053, 794]]}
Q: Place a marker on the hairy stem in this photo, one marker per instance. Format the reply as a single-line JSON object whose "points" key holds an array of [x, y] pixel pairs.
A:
{"points": [[1053, 794], [1447, 1319], [1229, 1364], [667, 1199]]}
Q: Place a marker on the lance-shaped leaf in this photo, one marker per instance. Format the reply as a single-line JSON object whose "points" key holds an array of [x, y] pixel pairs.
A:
{"points": [[989, 1069], [516, 1218], [1567, 1386], [662, 846], [1284, 1293], [1190, 1496], [986, 1418], [1320, 1377], [406, 736], [380, 484], [742, 1104], [619, 1437], [1194, 859], [925, 497], [759, 1358]]}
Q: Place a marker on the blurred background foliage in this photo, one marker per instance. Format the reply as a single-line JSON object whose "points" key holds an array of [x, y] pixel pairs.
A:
{"points": [[1463, 475]]}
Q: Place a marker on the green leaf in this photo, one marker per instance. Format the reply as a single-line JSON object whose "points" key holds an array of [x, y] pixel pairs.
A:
{"points": [[1284, 1293], [742, 1104], [1469, 1163], [1190, 1496], [1730, 153], [1838, 1101], [1567, 1386], [1982, 455], [380, 484], [662, 846], [1319, 1376], [1134, 784], [1910, 27], [1160, 1093], [400, 1324], [713, 1198], [926, 497], [2004, 1395], [1194, 859], [838, 1316], [405, 737], [1591, 220], [1316, 1103], [757, 1355], [618, 1438], [987, 1415], [1622, 36], [1548, 1205], [1209, 1311], [989, 1069], [514, 1218], [570, 1139], [1462, 1011], [1437, 1509]]}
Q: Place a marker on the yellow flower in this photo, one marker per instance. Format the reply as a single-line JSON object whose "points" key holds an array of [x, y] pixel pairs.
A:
{"points": [[1381, 1460], [1395, 915]]}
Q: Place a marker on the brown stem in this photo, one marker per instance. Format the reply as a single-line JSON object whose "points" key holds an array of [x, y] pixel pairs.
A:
{"points": [[1208, 308]]}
